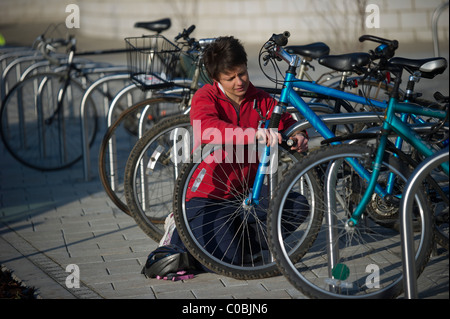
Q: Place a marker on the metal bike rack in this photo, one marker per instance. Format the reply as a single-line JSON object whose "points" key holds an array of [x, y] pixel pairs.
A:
{"points": [[109, 118], [84, 127], [6, 58], [112, 141], [16, 65], [35, 68], [434, 20], [406, 205]]}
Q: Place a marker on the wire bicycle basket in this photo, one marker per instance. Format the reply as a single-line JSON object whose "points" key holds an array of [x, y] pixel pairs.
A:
{"points": [[152, 61]]}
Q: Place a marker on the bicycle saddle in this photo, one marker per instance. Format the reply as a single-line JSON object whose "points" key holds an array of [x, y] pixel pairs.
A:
{"points": [[156, 26], [429, 68], [345, 62], [313, 50]]}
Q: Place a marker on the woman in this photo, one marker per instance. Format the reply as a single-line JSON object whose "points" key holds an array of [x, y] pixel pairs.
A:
{"points": [[230, 112]]}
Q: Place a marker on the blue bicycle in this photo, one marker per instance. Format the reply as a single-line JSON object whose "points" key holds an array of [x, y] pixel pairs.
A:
{"points": [[354, 249], [247, 254]]}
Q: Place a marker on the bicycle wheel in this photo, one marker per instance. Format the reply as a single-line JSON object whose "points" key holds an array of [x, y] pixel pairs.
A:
{"points": [[363, 261], [151, 170], [224, 233], [119, 140], [41, 121]]}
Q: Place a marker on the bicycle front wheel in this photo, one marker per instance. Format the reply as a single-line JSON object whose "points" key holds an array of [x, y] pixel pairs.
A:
{"points": [[151, 171], [41, 121], [225, 233], [345, 261]]}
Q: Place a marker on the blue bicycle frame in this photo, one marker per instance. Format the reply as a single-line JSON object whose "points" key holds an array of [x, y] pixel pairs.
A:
{"points": [[393, 123]]}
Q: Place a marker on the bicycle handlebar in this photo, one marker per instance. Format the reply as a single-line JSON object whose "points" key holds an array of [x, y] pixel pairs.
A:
{"points": [[385, 50], [281, 39], [186, 33], [205, 42], [367, 37], [45, 46], [195, 45]]}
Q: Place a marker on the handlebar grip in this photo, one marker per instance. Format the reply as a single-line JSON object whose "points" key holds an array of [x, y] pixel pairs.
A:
{"points": [[190, 30], [45, 46], [185, 33], [274, 120], [281, 39]]}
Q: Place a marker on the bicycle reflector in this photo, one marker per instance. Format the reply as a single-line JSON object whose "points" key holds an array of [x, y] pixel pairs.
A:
{"points": [[340, 272]]}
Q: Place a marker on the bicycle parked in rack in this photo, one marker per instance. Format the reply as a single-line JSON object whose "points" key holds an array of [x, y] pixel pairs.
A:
{"points": [[259, 188], [354, 191], [49, 138]]}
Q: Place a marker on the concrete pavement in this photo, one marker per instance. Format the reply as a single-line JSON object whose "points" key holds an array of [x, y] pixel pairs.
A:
{"points": [[51, 220]]}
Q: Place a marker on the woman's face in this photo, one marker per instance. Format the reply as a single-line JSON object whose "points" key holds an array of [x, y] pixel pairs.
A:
{"points": [[235, 82]]}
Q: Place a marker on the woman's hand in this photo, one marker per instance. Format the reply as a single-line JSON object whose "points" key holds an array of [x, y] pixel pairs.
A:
{"points": [[300, 142], [268, 136], [271, 137]]}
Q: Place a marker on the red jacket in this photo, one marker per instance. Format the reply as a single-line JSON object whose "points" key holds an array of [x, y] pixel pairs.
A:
{"points": [[215, 120]]}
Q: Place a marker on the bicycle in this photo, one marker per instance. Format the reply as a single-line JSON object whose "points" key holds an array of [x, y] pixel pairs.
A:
{"points": [[248, 197], [48, 139], [348, 184]]}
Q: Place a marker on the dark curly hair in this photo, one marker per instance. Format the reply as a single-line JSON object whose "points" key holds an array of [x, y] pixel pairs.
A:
{"points": [[226, 53]]}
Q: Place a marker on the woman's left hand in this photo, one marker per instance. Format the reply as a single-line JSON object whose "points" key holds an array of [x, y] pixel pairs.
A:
{"points": [[302, 142]]}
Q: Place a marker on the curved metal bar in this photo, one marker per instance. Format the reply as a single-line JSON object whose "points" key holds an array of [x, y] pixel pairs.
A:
{"points": [[84, 128], [434, 20], [14, 65], [406, 204]]}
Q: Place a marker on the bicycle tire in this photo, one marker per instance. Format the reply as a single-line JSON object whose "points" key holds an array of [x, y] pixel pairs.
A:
{"points": [[123, 131], [149, 207], [39, 133], [315, 275], [112, 158], [257, 264]]}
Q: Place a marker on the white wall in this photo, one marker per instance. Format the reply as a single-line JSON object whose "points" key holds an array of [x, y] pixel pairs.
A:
{"points": [[253, 21]]}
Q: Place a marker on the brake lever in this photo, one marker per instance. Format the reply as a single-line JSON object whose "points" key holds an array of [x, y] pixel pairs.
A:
{"points": [[269, 44]]}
